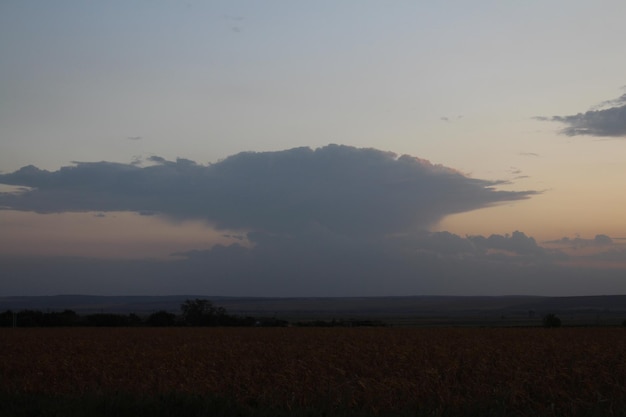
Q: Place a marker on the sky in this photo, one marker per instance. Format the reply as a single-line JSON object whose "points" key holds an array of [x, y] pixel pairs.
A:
{"points": [[312, 148]]}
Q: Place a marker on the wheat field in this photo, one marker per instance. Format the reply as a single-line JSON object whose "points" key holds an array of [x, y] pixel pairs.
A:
{"points": [[522, 371]]}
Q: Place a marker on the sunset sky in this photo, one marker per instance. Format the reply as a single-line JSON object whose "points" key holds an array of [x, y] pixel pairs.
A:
{"points": [[131, 118]]}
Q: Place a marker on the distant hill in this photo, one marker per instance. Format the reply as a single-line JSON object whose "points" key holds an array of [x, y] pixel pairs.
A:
{"points": [[609, 309]]}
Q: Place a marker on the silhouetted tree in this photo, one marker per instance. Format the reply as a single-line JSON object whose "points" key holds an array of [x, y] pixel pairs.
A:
{"points": [[6, 318], [200, 312], [30, 318], [63, 318], [112, 320], [551, 320], [161, 318]]}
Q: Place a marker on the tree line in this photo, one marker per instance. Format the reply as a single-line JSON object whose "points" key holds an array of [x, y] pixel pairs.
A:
{"points": [[197, 312]]}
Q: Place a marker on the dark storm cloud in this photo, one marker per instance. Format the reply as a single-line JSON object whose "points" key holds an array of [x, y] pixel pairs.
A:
{"points": [[319, 263], [345, 190], [609, 122]]}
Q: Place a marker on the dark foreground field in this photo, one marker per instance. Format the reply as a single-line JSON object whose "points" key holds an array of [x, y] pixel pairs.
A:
{"points": [[313, 371]]}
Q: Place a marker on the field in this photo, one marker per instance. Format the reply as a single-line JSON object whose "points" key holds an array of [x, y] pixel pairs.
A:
{"points": [[317, 371]]}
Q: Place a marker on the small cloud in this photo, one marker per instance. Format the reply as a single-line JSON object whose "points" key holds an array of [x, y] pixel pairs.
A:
{"points": [[580, 243], [15, 189], [450, 119], [517, 243], [233, 18], [235, 22], [157, 159], [602, 240], [599, 121], [620, 101], [237, 237]]}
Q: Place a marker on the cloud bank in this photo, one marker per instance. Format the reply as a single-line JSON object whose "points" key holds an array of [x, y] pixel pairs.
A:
{"points": [[323, 264], [610, 122], [339, 189]]}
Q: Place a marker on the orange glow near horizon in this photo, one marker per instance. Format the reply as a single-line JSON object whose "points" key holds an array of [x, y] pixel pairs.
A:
{"points": [[544, 217]]}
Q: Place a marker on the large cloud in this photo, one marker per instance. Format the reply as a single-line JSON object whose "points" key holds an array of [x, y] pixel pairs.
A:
{"points": [[345, 190], [596, 122]]}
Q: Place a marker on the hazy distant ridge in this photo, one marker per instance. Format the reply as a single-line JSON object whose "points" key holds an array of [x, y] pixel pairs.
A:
{"points": [[418, 306]]}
